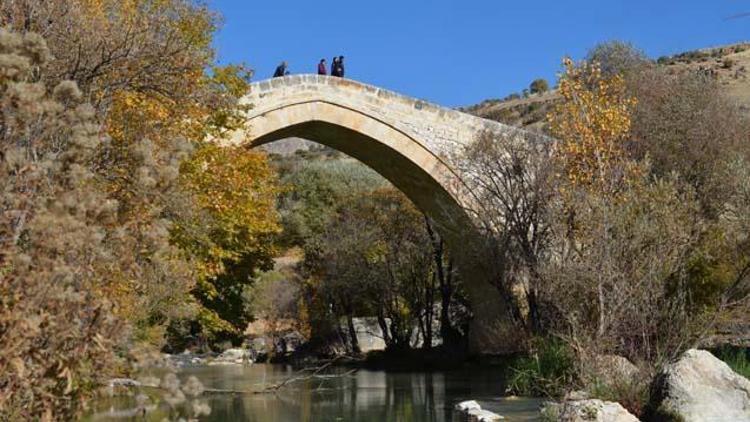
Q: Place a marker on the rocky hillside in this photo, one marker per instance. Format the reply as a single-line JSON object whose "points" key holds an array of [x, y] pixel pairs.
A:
{"points": [[728, 64]]}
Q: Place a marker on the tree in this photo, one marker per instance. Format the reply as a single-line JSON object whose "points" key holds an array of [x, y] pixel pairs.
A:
{"points": [[625, 238], [592, 125], [511, 178], [598, 239], [147, 67], [232, 237], [685, 124], [617, 58], [376, 257], [539, 86], [63, 262]]}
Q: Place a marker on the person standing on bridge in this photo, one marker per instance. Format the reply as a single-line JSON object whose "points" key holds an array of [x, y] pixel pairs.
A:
{"points": [[341, 67], [335, 67], [322, 67], [281, 70]]}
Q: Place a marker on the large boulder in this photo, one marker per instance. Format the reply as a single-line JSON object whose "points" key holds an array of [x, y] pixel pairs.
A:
{"points": [[613, 370], [698, 387], [591, 410]]}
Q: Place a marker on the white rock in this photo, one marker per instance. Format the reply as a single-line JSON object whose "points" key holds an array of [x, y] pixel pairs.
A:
{"points": [[700, 387], [480, 415], [592, 410], [467, 405]]}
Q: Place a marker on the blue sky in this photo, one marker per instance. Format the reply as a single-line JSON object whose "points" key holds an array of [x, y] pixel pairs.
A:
{"points": [[455, 52]]}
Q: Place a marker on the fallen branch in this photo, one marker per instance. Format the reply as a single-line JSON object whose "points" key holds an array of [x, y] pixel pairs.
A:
{"points": [[314, 375]]}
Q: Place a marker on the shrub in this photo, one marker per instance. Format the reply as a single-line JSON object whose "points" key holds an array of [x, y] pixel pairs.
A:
{"points": [[632, 394], [57, 332], [539, 86], [547, 371]]}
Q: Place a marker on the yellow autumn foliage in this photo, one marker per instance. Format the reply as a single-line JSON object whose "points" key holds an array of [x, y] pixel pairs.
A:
{"points": [[238, 189], [592, 123]]}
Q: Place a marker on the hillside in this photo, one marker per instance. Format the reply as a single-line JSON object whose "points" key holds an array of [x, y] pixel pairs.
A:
{"points": [[728, 64]]}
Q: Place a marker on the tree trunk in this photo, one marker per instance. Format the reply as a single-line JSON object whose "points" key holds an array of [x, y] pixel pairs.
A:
{"points": [[445, 280], [353, 341], [384, 328]]}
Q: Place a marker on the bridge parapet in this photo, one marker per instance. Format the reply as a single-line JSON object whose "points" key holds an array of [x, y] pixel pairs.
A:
{"points": [[439, 129]]}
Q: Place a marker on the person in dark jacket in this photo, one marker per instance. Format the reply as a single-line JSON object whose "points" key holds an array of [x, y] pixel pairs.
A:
{"points": [[341, 67], [322, 67], [281, 70], [335, 67]]}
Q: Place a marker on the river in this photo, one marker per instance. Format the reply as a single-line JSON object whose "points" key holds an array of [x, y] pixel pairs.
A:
{"points": [[363, 396]]}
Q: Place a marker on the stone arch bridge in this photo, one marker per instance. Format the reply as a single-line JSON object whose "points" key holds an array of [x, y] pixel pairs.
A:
{"points": [[410, 142]]}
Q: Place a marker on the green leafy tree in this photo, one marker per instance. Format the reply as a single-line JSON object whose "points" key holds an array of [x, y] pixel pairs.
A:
{"points": [[232, 236]]}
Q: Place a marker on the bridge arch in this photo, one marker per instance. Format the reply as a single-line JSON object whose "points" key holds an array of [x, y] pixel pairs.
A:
{"points": [[408, 141]]}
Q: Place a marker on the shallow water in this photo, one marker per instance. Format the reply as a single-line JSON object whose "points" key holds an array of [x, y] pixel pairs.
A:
{"points": [[364, 396]]}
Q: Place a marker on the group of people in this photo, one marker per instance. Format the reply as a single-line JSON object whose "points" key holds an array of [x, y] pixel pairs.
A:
{"points": [[337, 68]]}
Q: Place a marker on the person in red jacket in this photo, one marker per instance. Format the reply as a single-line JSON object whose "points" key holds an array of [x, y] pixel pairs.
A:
{"points": [[322, 67]]}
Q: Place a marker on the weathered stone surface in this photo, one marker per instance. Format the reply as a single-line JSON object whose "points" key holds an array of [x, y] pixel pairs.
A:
{"points": [[699, 387], [592, 410]]}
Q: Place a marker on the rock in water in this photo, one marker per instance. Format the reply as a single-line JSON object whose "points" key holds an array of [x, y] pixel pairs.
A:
{"points": [[480, 415], [474, 412], [592, 410], [232, 356], [698, 387], [467, 405]]}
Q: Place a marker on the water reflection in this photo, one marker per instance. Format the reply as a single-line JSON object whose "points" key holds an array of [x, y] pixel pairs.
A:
{"points": [[363, 396]]}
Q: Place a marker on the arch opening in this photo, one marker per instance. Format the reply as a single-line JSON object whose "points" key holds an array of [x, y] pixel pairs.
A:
{"points": [[422, 176]]}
